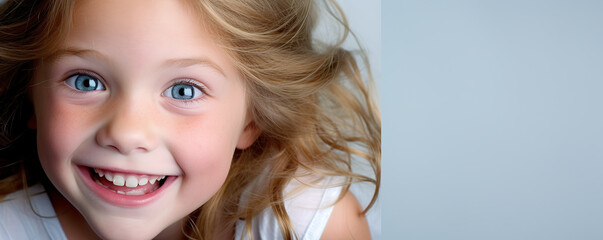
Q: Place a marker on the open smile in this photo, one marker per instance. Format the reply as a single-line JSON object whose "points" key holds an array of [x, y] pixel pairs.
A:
{"points": [[123, 188]]}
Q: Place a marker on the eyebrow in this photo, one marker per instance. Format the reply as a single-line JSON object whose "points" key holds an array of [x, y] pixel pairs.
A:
{"points": [[75, 52], [187, 62], [178, 62]]}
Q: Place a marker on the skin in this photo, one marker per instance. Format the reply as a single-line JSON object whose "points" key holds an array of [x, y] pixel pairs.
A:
{"points": [[137, 50], [347, 221]]}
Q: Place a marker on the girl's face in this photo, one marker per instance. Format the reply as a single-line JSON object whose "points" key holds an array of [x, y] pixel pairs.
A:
{"points": [[138, 115]]}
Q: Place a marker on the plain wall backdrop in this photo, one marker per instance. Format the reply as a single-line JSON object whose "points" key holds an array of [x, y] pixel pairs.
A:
{"points": [[492, 119]]}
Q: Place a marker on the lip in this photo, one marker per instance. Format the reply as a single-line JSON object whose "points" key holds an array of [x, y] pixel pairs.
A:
{"points": [[121, 199]]}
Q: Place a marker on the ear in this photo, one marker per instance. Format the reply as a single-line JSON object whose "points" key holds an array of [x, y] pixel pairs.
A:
{"points": [[32, 123], [249, 135]]}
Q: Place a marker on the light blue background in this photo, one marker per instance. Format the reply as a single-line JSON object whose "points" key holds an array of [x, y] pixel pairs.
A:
{"points": [[492, 119]]}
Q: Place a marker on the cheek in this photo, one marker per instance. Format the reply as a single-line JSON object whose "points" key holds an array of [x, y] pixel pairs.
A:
{"points": [[205, 163], [59, 132], [205, 151]]}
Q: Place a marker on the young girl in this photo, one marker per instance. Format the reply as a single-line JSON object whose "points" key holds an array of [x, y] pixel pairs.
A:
{"points": [[180, 119]]}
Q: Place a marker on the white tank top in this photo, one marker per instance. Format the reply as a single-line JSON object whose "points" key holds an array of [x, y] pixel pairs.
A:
{"points": [[20, 220], [309, 210]]}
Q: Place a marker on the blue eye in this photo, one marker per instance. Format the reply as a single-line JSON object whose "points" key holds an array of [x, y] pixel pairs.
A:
{"points": [[183, 92], [84, 82]]}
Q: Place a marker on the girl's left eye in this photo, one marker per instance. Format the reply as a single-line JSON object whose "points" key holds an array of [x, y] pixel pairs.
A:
{"points": [[183, 92]]}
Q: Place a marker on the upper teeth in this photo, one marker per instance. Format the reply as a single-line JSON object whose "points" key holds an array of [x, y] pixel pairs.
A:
{"points": [[129, 180]]}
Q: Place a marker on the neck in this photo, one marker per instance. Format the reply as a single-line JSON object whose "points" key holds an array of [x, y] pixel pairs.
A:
{"points": [[174, 231], [73, 223]]}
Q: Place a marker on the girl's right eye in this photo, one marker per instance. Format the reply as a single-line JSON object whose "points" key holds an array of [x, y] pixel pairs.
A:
{"points": [[83, 82]]}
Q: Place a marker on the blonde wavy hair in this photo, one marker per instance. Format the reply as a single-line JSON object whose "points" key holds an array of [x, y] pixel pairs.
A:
{"points": [[315, 110]]}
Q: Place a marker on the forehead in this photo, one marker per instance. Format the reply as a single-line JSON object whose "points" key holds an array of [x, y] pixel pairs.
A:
{"points": [[139, 30], [124, 15]]}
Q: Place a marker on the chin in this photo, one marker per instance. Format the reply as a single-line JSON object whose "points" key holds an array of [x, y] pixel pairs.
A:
{"points": [[127, 229]]}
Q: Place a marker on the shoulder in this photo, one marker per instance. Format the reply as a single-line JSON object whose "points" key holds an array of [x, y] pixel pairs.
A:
{"points": [[347, 221], [309, 206]]}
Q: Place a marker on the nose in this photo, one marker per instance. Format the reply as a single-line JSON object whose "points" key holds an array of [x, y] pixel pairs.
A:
{"points": [[127, 129]]}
